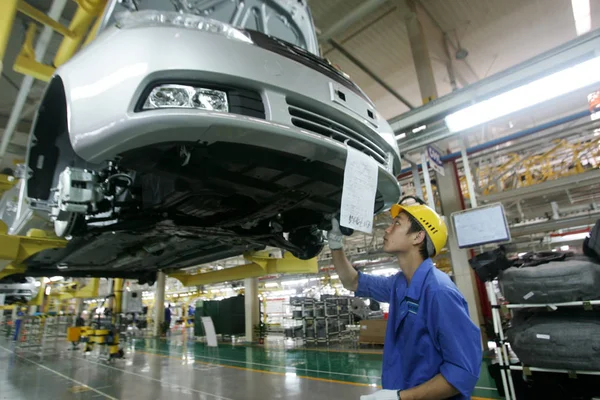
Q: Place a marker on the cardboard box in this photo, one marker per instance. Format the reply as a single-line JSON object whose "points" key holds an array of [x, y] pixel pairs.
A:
{"points": [[372, 331]]}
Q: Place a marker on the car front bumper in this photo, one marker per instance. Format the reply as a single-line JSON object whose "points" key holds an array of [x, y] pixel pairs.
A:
{"points": [[106, 81]]}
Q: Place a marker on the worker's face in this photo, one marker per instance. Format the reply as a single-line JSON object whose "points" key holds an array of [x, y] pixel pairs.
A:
{"points": [[397, 239]]}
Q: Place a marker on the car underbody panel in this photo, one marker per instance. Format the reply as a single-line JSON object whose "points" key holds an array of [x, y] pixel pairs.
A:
{"points": [[226, 199]]}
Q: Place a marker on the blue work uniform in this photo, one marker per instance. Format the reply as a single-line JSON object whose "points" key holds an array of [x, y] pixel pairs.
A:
{"points": [[428, 331]]}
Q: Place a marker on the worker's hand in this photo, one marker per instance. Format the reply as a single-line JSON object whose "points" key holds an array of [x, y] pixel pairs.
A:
{"points": [[335, 238], [381, 395]]}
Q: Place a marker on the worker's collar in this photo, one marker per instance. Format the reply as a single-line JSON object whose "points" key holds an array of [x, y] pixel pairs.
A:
{"points": [[418, 279]]}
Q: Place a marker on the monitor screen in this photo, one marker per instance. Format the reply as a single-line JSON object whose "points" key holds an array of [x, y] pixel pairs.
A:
{"points": [[481, 225]]}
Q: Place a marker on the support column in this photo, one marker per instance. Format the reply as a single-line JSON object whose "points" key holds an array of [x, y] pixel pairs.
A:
{"points": [[118, 290], [8, 11], [78, 307], [427, 179], [420, 53], [251, 307], [467, 170], [463, 275], [159, 303], [416, 180]]}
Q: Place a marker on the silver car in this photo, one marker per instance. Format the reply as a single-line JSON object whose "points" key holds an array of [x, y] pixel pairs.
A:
{"points": [[190, 131], [18, 288]]}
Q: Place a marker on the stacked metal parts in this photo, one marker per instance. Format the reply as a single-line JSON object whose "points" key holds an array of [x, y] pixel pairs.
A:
{"points": [[321, 321]]}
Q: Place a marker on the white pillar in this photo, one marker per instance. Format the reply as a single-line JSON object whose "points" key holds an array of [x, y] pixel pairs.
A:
{"points": [[251, 307], [427, 180], [417, 180], [420, 53], [463, 275], [159, 303], [467, 170]]}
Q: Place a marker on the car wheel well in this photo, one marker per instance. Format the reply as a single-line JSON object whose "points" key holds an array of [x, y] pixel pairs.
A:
{"points": [[50, 149]]}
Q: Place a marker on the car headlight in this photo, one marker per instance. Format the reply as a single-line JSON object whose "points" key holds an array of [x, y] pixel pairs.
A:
{"points": [[137, 19], [184, 96]]}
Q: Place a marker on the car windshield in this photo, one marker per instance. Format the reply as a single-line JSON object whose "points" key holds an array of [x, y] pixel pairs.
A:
{"points": [[288, 20]]}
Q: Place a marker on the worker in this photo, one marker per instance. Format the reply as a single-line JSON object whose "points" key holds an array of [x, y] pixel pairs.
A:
{"points": [[167, 321], [432, 348]]}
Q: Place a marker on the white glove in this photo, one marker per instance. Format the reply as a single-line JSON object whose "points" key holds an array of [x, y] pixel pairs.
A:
{"points": [[383, 394], [335, 238]]}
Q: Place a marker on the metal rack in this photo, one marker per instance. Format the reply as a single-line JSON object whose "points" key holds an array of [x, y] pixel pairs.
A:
{"points": [[41, 332], [322, 321], [502, 356]]}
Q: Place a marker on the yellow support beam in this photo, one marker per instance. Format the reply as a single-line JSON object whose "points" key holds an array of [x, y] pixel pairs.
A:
{"points": [[73, 291], [85, 15], [17, 249], [260, 264], [118, 290], [11, 270], [44, 19], [8, 11], [39, 299], [93, 32], [6, 182], [25, 62]]}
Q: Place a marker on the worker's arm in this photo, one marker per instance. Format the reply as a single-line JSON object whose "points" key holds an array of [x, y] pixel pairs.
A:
{"points": [[437, 388], [375, 287], [459, 342], [348, 275]]}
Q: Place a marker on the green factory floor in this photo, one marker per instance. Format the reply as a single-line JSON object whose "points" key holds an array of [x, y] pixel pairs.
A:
{"points": [[351, 366]]}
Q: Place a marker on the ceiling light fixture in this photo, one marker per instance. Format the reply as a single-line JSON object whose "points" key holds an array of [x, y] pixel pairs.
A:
{"points": [[536, 92], [419, 129], [582, 15]]}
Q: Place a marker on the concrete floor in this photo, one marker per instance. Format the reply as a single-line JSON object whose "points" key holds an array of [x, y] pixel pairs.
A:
{"points": [[180, 369]]}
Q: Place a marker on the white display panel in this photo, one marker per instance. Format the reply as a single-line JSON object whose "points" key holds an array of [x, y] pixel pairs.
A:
{"points": [[479, 226]]}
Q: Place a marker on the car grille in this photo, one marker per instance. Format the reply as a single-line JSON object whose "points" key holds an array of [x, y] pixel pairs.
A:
{"points": [[313, 121], [305, 58]]}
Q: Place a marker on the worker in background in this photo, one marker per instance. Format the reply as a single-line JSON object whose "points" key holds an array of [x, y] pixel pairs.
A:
{"points": [[167, 322], [432, 348]]}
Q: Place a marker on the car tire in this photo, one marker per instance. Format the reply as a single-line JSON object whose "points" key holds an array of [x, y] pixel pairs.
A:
{"points": [[560, 339], [554, 282], [309, 239]]}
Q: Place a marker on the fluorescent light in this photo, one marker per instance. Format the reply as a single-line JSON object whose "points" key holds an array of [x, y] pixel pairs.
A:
{"points": [[582, 16], [385, 271], [401, 136], [564, 248], [568, 238], [521, 254], [541, 90], [56, 278], [281, 293], [294, 283], [419, 129], [271, 284]]}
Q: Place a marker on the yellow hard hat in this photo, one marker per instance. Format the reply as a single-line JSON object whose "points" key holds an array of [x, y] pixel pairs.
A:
{"points": [[432, 223]]}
